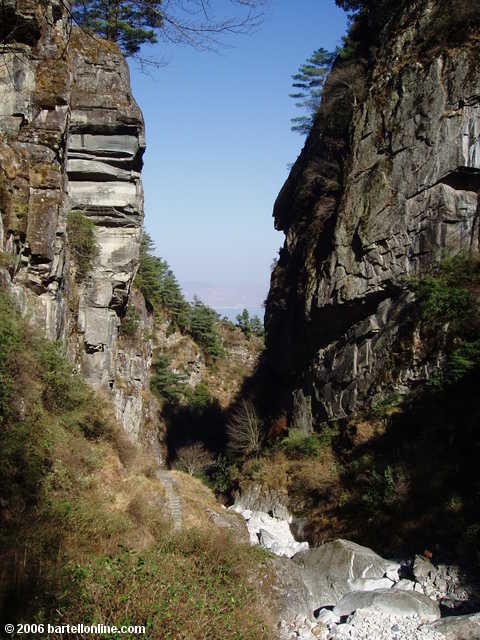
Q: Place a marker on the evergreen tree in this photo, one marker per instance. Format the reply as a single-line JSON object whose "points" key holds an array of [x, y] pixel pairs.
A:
{"points": [[203, 328], [158, 283], [309, 81], [250, 326], [257, 327], [133, 23], [243, 322]]}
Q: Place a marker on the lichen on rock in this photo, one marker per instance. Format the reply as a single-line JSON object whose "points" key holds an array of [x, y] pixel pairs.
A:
{"points": [[72, 140]]}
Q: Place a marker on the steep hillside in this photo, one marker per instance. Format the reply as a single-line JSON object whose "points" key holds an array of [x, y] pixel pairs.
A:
{"points": [[93, 530]]}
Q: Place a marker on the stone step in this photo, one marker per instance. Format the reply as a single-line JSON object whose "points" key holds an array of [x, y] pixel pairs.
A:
{"points": [[173, 499]]}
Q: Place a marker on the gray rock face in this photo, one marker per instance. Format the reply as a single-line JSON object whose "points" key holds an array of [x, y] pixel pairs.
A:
{"points": [[255, 497], [459, 627], [338, 567], [390, 601], [72, 138], [291, 596], [380, 191]]}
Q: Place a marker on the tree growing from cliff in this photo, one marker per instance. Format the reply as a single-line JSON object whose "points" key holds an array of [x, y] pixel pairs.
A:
{"points": [[309, 82], [132, 23]]}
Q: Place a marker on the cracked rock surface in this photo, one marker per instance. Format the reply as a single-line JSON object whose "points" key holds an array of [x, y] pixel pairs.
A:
{"points": [[72, 139], [386, 183]]}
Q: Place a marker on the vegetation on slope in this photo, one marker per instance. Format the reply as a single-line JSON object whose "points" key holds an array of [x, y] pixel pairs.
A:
{"points": [[82, 242], [199, 363], [84, 536], [161, 290]]}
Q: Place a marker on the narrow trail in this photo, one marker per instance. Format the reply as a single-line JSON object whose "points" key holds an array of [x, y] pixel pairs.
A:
{"points": [[173, 499]]}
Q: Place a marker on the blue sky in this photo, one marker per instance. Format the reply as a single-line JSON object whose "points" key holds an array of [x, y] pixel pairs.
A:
{"points": [[218, 145]]}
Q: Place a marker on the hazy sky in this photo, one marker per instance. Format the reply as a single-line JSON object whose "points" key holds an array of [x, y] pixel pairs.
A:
{"points": [[218, 145]]}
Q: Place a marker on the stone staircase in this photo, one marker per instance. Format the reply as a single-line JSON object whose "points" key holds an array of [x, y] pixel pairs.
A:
{"points": [[173, 499]]}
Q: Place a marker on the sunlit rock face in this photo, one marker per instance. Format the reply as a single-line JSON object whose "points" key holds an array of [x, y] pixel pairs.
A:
{"points": [[72, 139], [386, 184]]}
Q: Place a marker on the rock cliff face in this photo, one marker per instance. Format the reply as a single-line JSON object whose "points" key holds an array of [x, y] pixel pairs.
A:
{"points": [[386, 184], [72, 139]]}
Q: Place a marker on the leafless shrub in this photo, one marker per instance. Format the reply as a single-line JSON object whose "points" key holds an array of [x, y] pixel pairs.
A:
{"points": [[244, 430], [194, 458]]}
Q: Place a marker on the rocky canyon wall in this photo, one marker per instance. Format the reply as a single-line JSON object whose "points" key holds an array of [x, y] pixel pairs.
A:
{"points": [[72, 139], [386, 184]]}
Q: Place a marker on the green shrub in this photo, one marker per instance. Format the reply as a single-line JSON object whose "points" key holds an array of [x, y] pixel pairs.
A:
{"points": [[130, 321], [158, 283], [448, 300], [198, 398], [165, 384], [446, 295], [62, 390], [12, 336], [297, 444], [83, 243]]}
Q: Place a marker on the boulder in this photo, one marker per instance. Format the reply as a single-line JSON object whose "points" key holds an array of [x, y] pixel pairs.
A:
{"points": [[291, 597], [390, 601], [459, 627], [341, 566]]}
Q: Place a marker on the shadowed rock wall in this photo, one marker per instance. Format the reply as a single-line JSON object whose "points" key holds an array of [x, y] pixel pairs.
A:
{"points": [[386, 184]]}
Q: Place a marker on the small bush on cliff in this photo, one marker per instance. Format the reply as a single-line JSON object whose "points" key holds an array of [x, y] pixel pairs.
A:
{"points": [[129, 322], [297, 444], [82, 242], [167, 385], [448, 300]]}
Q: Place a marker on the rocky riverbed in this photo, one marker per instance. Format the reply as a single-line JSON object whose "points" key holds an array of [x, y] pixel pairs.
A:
{"points": [[342, 590]]}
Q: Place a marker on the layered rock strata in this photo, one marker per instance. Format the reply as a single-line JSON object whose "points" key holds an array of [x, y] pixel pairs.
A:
{"points": [[72, 139], [386, 184]]}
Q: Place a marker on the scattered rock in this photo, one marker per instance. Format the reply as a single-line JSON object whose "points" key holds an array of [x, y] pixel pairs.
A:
{"points": [[328, 618], [390, 601]]}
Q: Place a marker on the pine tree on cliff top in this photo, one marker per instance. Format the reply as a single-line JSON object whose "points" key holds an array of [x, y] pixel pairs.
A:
{"points": [[132, 23], [308, 82]]}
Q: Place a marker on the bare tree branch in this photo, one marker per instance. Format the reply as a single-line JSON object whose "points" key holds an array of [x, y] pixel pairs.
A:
{"points": [[244, 430]]}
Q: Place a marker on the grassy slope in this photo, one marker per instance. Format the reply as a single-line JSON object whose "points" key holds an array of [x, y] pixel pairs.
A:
{"points": [[84, 532]]}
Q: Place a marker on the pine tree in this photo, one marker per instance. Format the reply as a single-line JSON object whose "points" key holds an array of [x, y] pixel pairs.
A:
{"points": [[243, 322], [132, 23], [203, 330], [310, 79]]}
